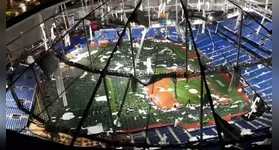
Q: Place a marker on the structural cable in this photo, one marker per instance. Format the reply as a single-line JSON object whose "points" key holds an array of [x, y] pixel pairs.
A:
{"points": [[55, 41], [203, 76]]}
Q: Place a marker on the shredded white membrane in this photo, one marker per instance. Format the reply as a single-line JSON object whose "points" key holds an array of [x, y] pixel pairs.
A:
{"points": [[192, 139], [246, 132], [68, 116], [101, 99], [95, 129]]}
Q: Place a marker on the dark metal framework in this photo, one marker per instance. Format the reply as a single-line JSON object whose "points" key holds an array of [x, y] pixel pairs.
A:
{"points": [[134, 78]]}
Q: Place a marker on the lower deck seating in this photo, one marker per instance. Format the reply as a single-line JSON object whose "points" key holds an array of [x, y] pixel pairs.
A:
{"points": [[77, 40], [260, 79], [249, 31], [25, 90], [213, 50], [178, 135], [219, 50]]}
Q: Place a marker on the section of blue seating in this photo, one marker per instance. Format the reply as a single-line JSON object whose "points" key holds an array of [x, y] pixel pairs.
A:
{"points": [[77, 40], [25, 91], [249, 31]]}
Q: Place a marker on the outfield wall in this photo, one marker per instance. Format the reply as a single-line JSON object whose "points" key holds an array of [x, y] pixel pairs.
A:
{"points": [[153, 32], [111, 36]]}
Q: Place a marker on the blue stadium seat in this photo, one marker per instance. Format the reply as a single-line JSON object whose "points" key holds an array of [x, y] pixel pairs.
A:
{"points": [[261, 130], [228, 21], [244, 124], [16, 124], [265, 121], [263, 31], [10, 111], [268, 25], [256, 37], [27, 95], [137, 33], [207, 49], [267, 116], [209, 131], [257, 124], [220, 61], [204, 42], [195, 133], [12, 104], [222, 44], [179, 132], [246, 31], [108, 34], [247, 21], [170, 139], [172, 30], [153, 136], [268, 45]]}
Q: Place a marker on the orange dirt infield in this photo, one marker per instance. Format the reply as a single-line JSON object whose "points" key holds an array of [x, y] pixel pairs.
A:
{"points": [[163, 99]]}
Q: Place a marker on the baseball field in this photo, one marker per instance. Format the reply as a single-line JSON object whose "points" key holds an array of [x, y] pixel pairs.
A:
{"points": [[162, 102]]}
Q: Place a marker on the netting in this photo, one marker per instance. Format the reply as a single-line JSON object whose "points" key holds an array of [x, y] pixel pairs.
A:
{"points": [[131, 78]]}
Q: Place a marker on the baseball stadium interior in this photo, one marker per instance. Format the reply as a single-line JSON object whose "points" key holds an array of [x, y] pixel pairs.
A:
{"points": [[141, 74]]}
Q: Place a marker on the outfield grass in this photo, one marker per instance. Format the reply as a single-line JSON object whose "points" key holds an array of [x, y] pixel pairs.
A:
{"points": [[111, 93], [80, 92], [193, 63], [216, 79]]}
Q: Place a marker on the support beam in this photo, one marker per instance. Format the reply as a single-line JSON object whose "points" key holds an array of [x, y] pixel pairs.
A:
{"points": [[176, 12], [239, 38], [67, 15], [148, 8], [63, 15], [44, 36], [186, 42], [90, 33], [262, 22], [202, 69], [103, 74], [60, 86], [41, 93], [247, 13], [203, 15], [87, 43], [46, 32], [201, 113], [22, 108]]}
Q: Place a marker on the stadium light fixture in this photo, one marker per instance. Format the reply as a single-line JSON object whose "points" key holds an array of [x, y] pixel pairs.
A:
{"points": [[210, 18]]}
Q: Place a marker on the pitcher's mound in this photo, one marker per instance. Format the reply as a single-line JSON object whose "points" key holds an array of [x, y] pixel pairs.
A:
{"points": [[193, 91]]}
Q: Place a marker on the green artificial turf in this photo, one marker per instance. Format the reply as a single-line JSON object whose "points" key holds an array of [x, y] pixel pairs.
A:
{"points": [[80, 92], [111, 93], [183, 94], [216, 79]]}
